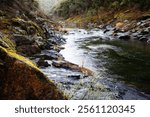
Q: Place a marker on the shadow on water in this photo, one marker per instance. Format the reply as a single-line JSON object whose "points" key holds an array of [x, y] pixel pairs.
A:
{"points": [[131, 61]]}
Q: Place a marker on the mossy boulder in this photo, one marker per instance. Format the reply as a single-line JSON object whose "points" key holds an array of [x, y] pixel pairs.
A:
{"points": [[21, 79]]}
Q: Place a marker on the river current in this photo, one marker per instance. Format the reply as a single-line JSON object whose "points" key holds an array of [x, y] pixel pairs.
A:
{"points": [[121, 68]]}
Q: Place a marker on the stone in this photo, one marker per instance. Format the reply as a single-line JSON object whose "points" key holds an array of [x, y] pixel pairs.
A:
{"points": [[68, 65], [119, 25], [144, 32], [124, 37], [143, 39], [20, 79], [76, 77], [50, 55], [22, 40], [43, 63], [28, 50], [106, 30], [57, 40], [145, 17]]}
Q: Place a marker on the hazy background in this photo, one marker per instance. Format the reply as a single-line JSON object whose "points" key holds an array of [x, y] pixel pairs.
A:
{"points": [[47, 5]]}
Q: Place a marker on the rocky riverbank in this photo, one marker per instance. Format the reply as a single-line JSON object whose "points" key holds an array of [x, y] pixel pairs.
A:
{"points": [[24, 31], [129, 30], [123, 29]]}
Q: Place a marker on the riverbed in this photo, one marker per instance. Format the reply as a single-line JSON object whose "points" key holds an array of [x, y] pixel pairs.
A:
{"points": [[121, 68]]}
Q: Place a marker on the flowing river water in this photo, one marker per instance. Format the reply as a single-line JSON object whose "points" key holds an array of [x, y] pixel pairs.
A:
{"points": [[121, 68]]}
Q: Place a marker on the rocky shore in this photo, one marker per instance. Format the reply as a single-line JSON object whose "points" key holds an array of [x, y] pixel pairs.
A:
{"points": [[24, 31], [129, 30]]}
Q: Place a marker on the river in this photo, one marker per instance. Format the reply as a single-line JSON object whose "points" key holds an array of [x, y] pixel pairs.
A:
{"points": [[121, 68]]}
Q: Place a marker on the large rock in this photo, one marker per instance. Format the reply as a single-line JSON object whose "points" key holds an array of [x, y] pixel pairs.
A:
{"points": [[57, 40], [21, 79], [68, 65], [124, 37], [22, 40], [50, 55], [43, 63]]}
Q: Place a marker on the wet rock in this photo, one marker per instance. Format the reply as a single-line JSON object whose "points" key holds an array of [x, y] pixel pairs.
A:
{"points": [[31, 30], [28, 50], [106, 30], [76, 77], [50, 55], [43, 63], [144, 17], [72, 66], [50, 46], [18, 30], [124, 37], [65, 64], [139, 23], [144, 32], [120, 25], [22, 40], [145, 24], [57, 40], [143, 39], [21, 79], [40, 41], [30, 27], [148, 41]]}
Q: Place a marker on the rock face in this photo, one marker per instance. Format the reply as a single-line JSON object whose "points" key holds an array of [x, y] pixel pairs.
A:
{"points": [[21, 79]]}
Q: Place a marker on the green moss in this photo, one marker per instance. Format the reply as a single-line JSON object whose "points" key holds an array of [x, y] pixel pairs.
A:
{"points": [[7, 43], [25, 24], [19, 57], [38, 28], [5, 21]]}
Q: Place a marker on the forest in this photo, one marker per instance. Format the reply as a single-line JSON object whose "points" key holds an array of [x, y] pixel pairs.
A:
{"points": [[77, 7]]}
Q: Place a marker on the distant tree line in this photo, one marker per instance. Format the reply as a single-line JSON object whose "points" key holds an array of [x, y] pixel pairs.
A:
{"points": [[75, 7]]}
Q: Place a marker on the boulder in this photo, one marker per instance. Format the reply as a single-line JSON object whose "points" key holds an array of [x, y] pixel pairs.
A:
{"points": [[119, 25], [124, 37], [144, 17], [20, 79], [65, 64], [50, 55], [75, 77], [43, 63], [22, 40], [56, 40], [28, 50], [68, 65], [144, 39], [144, 32]]}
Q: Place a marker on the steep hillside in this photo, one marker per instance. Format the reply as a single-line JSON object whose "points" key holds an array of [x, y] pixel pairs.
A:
{"points": [[24, 30], [102, 11], [76, 7]]}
